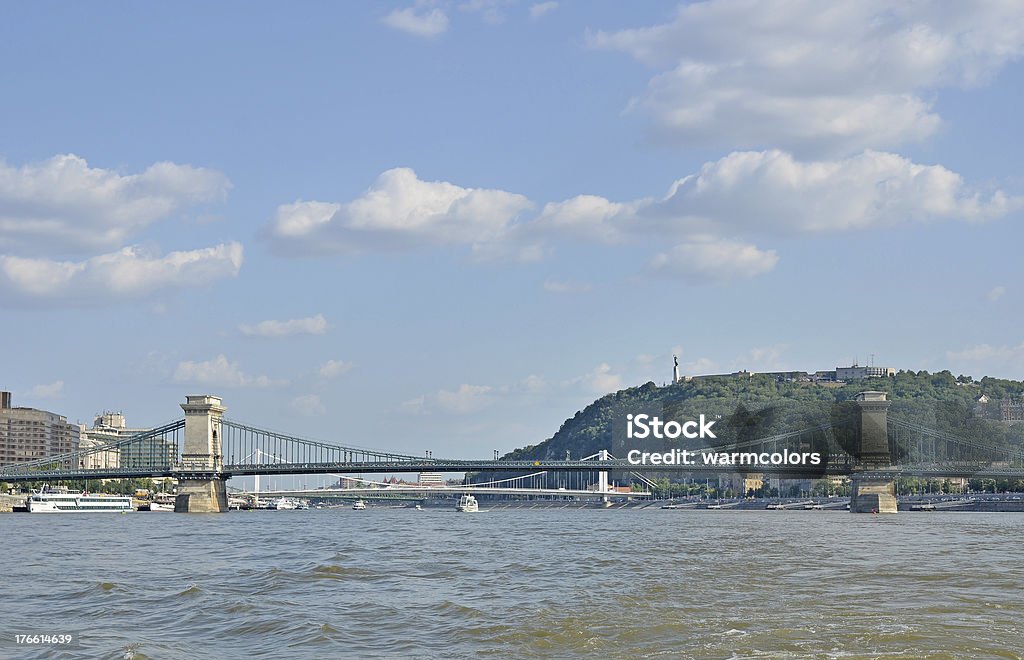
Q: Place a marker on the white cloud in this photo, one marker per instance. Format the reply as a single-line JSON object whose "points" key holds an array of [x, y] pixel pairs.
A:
{"points": [[50, 391], [420, 21], [334, 368], [308, 405], [996, 293], [817, 76], [762, 358], [489, 10], [600, 380], [311, 325], [63, 205], [415, 406], [987, 360], [541, 8], [466, 399], [219, 372], [128, 273], [399, 211], [560, 286], [987, 352], [586, 217], [713, 260], [710, 216], [770, 191], [533, 384]]}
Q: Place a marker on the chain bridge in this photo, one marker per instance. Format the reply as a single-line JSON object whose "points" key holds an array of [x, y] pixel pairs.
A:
{"points": [[205, 448]]}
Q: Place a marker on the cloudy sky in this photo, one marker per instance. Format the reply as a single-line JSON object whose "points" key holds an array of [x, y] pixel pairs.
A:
{"points": [[449, 225]]}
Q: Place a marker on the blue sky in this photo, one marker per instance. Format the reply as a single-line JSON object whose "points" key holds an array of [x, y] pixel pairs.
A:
{"points": [[450, 225]]}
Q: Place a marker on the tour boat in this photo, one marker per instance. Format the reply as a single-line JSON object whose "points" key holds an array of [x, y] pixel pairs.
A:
{"points": [[283, 503], [359, 505], [77, 502], [467, 504]]}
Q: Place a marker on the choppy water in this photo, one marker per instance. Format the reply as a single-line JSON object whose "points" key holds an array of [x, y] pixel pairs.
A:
{"points": [[516, 583]]}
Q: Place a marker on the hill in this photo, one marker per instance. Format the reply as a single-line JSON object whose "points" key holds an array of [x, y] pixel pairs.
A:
{"points": [[760, 405]]}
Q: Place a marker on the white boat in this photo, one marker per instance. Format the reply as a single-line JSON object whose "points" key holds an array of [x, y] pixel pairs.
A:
{"points": [[284, 503], [77, 502], [467, 504], [419, 507], [162, 502], [359, 505]]}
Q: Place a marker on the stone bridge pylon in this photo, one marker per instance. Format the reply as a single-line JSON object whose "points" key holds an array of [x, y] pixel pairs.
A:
{"points": [[202, 487], [874, 491]]}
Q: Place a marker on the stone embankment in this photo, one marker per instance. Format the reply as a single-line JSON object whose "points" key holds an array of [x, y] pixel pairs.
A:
{"points": [[7, 502]]}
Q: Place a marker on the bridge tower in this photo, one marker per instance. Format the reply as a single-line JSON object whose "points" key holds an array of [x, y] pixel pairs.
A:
{"points": [[202, 487], [874, 491]]}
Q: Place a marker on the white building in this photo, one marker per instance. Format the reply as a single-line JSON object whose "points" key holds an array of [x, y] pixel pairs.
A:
{"points": [[860, 373], [109, 428], [431, 479], [27, 434]]}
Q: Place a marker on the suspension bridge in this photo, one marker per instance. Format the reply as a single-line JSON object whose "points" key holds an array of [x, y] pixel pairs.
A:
{"points": [[205, 449]]}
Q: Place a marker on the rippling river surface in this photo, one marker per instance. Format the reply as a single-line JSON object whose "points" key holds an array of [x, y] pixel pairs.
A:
{"points": [[516, 583]]}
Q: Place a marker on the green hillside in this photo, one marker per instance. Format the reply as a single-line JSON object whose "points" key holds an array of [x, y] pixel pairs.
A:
{"points": [[762, 405]]}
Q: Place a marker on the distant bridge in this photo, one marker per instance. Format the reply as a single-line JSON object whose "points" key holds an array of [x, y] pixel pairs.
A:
{"points": [[205, 449]]}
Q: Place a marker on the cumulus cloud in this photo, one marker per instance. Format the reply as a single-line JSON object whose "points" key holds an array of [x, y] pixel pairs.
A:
{"points": [[311, 325], [712, 216], [771, 191], [399, 211], [466, 399], [996, 293], [128, 273], [50, 391], [600, 380], [334, 368], [219, 372], [813, 76], [540, 9], [415, 406], [713, 260], [308, 405], [63, 205], [419, 21], [587, 217], [987, 359], [491, 11]]}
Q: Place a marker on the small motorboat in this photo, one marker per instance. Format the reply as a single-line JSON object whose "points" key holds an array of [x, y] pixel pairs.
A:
{"points": [[467, 504]]}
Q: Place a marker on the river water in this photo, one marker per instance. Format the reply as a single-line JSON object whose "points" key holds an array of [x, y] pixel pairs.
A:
{"points": [[556, 583]]}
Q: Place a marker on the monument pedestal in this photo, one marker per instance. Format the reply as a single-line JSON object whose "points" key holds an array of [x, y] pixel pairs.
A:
{"points": [[873, 494]]}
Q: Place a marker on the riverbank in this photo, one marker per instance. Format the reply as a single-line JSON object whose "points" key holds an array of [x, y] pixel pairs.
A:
{"points": [[8, 502]]}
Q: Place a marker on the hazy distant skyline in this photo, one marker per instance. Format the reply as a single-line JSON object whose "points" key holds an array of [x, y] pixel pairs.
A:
{"points": [[414, 225]]}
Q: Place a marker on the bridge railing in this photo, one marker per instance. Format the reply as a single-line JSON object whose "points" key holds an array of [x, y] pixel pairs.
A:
{"points": [[155, 450], [247, 446], [913, 444]]}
